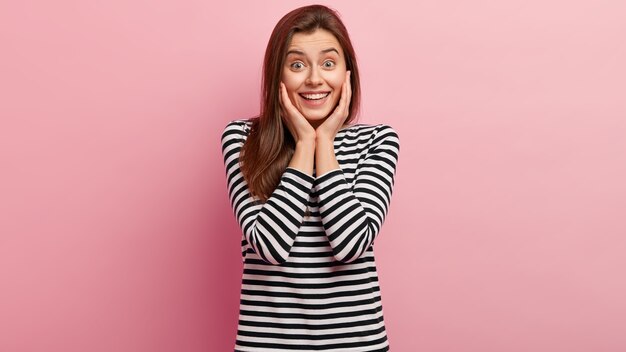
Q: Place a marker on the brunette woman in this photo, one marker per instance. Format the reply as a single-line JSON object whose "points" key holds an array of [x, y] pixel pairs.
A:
{"points": [[310, 190]]}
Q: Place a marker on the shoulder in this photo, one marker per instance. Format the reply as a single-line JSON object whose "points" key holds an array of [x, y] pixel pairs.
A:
{"points": [[236, 130], [238, 126], [374, 132]]}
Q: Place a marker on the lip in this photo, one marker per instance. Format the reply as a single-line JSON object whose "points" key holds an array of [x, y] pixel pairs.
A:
{"points": [[316, 102]]}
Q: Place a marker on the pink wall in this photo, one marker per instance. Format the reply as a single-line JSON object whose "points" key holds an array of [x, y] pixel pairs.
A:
{"points": [[506, 231]]}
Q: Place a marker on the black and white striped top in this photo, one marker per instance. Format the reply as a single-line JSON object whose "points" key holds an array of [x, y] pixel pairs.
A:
{"points": [[309, 280]]}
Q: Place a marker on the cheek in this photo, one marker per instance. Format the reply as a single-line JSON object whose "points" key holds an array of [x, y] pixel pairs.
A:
{"points": [[291, 82], [336, 80]]}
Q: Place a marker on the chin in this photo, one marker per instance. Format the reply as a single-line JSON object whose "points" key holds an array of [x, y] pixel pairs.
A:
{"points": [[315, 118], [315, 122], [315, 115]]}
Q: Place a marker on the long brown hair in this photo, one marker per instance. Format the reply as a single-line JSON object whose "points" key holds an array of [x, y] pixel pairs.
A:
{"points": [[270, 146]]}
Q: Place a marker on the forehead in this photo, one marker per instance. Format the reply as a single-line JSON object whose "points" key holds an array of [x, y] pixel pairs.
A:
{"points": [[315, 41]]}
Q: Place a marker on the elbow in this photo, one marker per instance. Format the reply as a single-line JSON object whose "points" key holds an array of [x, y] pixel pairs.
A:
{"points": [[267, 251], [346, 256], [275, 261], [354, 247], [345, 260], [271, 256], [350, 258]]}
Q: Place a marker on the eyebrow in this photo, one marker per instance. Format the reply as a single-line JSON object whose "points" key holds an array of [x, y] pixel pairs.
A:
{"points": [[299, 52]]}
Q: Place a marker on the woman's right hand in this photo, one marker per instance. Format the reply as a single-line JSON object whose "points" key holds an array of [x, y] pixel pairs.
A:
{"points": [[300, 128], [302, 131]]}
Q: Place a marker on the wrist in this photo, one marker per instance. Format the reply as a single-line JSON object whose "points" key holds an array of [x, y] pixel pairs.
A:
{"points": [[306, 143], [306, 136], [324, 138], [324, 150]]}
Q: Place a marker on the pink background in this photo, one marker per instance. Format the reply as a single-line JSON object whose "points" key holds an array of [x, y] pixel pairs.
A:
{"points": [[506, 230]]}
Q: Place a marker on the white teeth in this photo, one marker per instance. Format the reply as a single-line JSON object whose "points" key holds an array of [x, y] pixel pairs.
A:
{"points": [[315, 96]]}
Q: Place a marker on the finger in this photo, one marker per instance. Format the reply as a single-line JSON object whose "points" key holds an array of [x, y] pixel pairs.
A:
{"points": [[280, 99], [284, 113], [348, 95], [291, 109], [284, 96], [286, 102], [338, 112], [348, 90], [343, 102]]}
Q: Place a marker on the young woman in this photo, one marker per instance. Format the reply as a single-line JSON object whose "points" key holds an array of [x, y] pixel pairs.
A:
{"points": [[310, 191]]}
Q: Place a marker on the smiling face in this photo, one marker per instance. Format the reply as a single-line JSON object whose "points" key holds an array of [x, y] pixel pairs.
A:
{"points": [[314, 71]]}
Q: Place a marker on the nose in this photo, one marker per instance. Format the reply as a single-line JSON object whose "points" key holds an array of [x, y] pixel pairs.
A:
{"points": [[314, 78]]}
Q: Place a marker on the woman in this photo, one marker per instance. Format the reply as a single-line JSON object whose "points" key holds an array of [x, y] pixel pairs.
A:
{"points": [[310, 191]]}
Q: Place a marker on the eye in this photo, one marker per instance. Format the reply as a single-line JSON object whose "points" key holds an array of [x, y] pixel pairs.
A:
{"points": [[328, 64], [297, 65]]}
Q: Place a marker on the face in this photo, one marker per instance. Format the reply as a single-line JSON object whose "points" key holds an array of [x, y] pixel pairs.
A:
{"points": [[314, 71]]}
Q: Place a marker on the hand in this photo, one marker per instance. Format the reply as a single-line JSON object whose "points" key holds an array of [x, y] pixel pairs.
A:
{"points": [[297, 124], [329, 128]]}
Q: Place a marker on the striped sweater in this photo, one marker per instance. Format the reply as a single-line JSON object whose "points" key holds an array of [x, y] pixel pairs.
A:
{"points": [[309, 279]]}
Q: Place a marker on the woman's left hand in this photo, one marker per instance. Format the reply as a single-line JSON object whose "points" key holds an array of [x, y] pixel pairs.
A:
{"points": [[329, 128]]}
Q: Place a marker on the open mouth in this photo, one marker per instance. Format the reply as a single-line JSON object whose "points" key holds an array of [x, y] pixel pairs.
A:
{"points": [[314, 96]]}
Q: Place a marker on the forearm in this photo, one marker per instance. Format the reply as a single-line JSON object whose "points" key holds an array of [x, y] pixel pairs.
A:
{"points": [[349, 229], [303, 156], [353, 211], [271, 228], [325, 159]]}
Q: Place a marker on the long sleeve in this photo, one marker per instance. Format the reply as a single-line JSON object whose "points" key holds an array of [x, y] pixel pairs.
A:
{"points": [[270, 228], [353, 215]]}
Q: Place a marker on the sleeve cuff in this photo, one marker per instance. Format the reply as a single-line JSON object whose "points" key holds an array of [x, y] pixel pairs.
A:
{"points": [[331, 178], [328, 175], [299, 176]]}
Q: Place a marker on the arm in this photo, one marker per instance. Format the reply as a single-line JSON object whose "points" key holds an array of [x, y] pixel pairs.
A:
{"points": [[352, 217], [269, 228]]}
